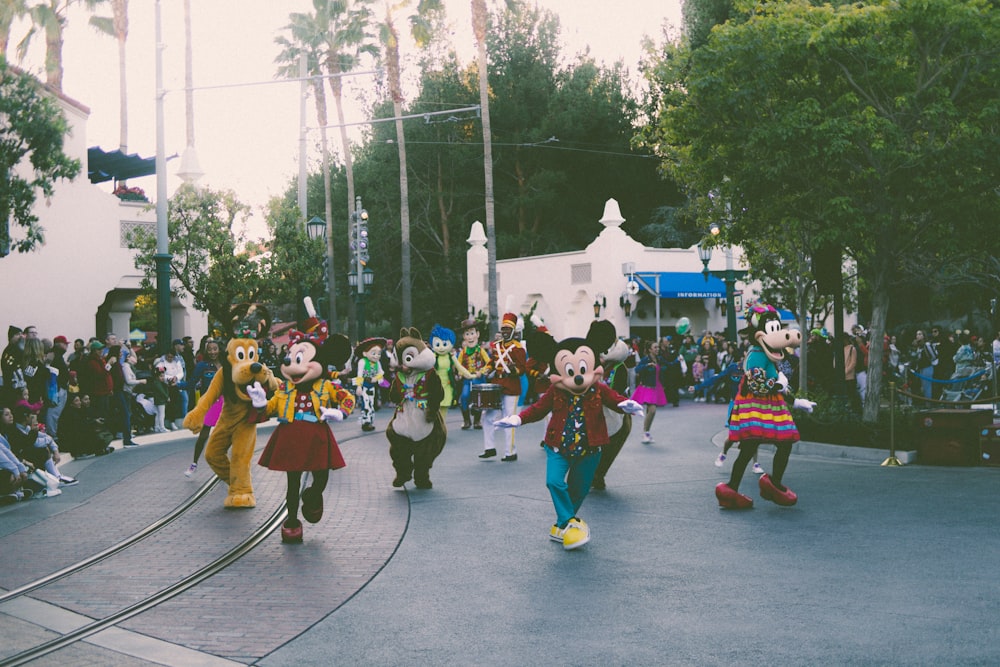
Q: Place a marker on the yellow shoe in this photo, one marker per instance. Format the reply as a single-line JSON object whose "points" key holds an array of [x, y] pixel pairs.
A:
{"points": [[556, 534], [577, 534]]}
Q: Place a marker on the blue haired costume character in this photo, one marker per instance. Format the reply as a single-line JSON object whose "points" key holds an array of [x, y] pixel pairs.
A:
{"points": [[446, 364], [760, 413]]}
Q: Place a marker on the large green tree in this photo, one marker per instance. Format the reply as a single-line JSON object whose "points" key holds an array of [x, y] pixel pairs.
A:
{"points": [[205, 231], [31, 156], [873, 127]]}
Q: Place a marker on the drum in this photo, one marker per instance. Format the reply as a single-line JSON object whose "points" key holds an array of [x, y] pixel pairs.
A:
{"points": [[485, 396]]}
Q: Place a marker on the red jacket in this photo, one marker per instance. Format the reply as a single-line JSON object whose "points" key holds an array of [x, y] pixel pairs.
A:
{"points": [[96, 379], [557, 402]]}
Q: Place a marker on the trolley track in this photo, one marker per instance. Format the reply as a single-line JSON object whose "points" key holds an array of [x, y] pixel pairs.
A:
{"points": [[154, 599]]}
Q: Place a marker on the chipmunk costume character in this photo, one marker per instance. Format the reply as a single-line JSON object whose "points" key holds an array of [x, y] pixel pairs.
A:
{"points": [[416, 432], [230, 447], [760, 413], [306, 403], [577, 431]]}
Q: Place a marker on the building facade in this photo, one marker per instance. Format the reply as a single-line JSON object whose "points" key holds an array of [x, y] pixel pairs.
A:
{"points": [[83, 282]]}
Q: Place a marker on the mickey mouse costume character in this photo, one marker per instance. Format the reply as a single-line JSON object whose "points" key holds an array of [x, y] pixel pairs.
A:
{"points": [[577, 431], [304, 404], [760, 413]]}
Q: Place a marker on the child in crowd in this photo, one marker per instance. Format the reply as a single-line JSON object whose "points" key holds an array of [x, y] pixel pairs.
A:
{"points": [[698, 373], [159, 391]]}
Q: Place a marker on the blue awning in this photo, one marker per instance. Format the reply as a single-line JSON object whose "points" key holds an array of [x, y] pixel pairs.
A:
{"points": [[677, 285]]}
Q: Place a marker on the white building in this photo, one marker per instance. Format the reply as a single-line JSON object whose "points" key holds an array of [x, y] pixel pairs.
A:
{"points": [[82, 281], [571, 288]]}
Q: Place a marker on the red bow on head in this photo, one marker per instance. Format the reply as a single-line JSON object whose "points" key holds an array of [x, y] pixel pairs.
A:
{"points": [[317, 332]]}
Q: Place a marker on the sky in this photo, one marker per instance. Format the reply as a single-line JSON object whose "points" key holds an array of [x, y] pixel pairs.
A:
{"points": [[247, 137]]}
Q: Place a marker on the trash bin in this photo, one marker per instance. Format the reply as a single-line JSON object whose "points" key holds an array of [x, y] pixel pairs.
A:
{"points": [[951, 437]]}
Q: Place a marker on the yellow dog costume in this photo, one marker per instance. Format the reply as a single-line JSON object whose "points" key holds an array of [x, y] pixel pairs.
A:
{"points": [[230, 447]]}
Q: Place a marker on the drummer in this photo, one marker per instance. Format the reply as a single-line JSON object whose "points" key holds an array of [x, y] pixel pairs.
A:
{"points": [[508, 362], [473, 358]]}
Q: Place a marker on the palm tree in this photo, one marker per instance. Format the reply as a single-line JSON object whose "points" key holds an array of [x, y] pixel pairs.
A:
{"points": [[479, 22], [9, 11], [117, 26], [50, 17], [333, 37], [420, 29]]}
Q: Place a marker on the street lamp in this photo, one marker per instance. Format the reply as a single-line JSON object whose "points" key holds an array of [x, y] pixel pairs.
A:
{"points": [[729, 277], [367, 278], [316, 228]]}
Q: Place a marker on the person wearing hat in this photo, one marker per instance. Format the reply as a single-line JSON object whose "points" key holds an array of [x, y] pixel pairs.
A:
{"points": [[10, 363], [508, 362], [176, 379], [367, 356], [96, 381], [61, 368], [474, 359]]}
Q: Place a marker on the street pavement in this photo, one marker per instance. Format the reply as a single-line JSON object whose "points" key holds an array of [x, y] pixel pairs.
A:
{"points": [[873, 566]]}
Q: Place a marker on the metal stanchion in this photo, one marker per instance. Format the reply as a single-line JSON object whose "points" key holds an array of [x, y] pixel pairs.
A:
{"points": [[892, 460]]}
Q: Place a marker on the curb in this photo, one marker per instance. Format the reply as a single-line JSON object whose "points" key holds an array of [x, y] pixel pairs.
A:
{"points": [[829, 451]]}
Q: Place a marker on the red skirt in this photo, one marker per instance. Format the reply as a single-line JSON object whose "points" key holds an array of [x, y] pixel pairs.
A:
{"points": [[300, 446]]}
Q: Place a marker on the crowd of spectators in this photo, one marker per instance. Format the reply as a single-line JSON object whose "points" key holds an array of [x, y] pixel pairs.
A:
{"points": [[56, 402]]}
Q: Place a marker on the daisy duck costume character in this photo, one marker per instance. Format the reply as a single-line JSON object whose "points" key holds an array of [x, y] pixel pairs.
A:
{"points": [[577, 431], [305, 403], [760, 412], [367, 356]]}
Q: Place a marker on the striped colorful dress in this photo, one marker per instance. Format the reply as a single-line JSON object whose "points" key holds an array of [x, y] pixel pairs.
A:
{"points": [[759, 410]]}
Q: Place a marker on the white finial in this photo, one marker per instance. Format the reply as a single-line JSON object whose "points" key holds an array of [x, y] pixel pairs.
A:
{"points": [[477, 235], [612, 214], [190, 171]]}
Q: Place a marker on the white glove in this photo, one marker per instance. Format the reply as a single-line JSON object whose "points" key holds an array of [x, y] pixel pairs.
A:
{"points": [[782, 382], [631, 407], [257, 394], [508, 422], [803, 404], [331, 414]]}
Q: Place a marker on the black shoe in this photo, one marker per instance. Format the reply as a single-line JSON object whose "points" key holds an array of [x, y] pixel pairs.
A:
{"points": [[368, 427], [488, 454], [598, 484], [423, 484], [130, 444], [512, 457], [400, 481]]}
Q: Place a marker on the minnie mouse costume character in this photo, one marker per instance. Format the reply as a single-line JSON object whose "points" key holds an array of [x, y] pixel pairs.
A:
{"points": [[760, 413], [304, 404], [577, 431]]}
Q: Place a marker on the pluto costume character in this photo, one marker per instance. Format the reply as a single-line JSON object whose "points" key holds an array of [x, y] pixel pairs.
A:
{"points": [[416, 432], [577, 431], [760, 413], [305, 404], [229, 450]]}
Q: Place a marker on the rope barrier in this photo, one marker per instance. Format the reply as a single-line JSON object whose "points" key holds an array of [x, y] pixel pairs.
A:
{"points": [[964, 378]]}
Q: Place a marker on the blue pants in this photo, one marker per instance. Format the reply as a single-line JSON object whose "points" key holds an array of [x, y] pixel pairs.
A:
{"points": [[463, 400], [569, 482]]}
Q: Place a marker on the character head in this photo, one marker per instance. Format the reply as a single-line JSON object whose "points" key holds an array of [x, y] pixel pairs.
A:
{"points": [[575, 363], [370, 349], [764, 330], [470, 332], [442, 340], [308, 357], [507, 325], [617, 349], [411, 353], [241, 367]]}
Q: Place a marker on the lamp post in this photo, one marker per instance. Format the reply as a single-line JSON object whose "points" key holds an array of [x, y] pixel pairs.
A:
{"points": [[729, 277], [367, 278]]}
